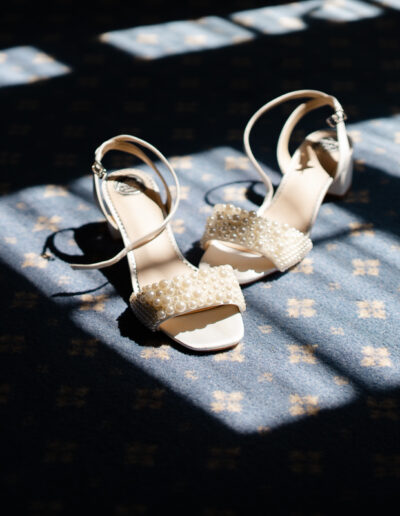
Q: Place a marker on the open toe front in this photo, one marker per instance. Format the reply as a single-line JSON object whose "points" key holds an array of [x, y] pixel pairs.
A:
{"points": [[208, 330]]}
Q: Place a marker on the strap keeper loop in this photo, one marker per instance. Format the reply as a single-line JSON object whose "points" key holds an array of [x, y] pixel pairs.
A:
{"points": [[98, 169], [336, 118]]}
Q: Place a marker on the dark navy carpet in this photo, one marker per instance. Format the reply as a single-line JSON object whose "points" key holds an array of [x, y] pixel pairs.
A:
{"points": [[98, 413]]}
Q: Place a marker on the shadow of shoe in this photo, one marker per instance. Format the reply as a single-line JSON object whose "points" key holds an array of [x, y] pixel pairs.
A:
{"points": [[96, 244]]}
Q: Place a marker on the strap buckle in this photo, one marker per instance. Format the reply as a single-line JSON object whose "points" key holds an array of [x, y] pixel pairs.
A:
{"points": [[336, 118], [98, 169]]}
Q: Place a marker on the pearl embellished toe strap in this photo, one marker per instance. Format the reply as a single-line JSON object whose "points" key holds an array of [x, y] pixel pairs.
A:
{"points": [[197, 290], [283, 245]]}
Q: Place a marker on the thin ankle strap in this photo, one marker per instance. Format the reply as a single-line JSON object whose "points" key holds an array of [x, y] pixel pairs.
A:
{"points": [[318, 99], [127, 143], [336, 120]]}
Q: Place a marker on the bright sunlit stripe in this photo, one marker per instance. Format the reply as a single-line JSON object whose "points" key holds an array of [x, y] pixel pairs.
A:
{"points": [[393, 4], [25, 65], [181, 37], [332, 375], [282, 19], [177, 37], [35, 212]]}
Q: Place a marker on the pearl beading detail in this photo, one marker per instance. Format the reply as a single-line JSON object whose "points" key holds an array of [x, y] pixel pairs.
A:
{"points": [[195, 290], [283, 245]]}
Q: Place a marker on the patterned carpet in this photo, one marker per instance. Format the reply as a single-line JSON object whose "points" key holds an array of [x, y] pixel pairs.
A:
{"points": [[99, 413]]}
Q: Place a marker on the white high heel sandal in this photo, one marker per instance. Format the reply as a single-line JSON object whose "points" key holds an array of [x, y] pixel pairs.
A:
{"points": [[275, 237], [199, 309]]}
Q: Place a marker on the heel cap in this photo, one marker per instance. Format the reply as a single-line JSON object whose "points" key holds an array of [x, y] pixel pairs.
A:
{"points": [[337, 197]]}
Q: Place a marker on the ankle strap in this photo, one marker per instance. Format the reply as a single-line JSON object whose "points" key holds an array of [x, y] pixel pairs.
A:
{"points": [[319, 99], [336, 120], [127, 143]]}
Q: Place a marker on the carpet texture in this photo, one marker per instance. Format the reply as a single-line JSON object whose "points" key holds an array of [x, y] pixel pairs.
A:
{"points": [[100, 414]]}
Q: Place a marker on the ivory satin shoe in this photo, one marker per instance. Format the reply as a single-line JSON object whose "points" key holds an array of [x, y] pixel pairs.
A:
{"points": [[276, 236], [199, 309]]}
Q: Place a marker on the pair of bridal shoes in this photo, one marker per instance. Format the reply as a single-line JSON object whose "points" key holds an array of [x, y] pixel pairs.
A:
{"points": [[200, 308]]}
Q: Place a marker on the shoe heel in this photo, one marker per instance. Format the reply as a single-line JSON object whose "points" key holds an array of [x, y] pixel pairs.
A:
{"points": [[115, 234], [342, 184]]}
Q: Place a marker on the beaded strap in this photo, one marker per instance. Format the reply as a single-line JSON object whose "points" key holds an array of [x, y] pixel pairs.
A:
{"points": [[283, 245], [196, 290]]}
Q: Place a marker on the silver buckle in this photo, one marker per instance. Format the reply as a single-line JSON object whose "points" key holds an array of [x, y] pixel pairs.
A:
{"points": [[98, 169], [336, 118]]}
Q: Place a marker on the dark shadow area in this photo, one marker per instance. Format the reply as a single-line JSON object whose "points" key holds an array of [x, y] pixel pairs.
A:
{"points": [[108, 92], [97, 245], [96, 424]]}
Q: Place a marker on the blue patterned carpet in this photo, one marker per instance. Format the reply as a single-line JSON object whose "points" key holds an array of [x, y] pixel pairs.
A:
{"points": [[97, 412]]}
